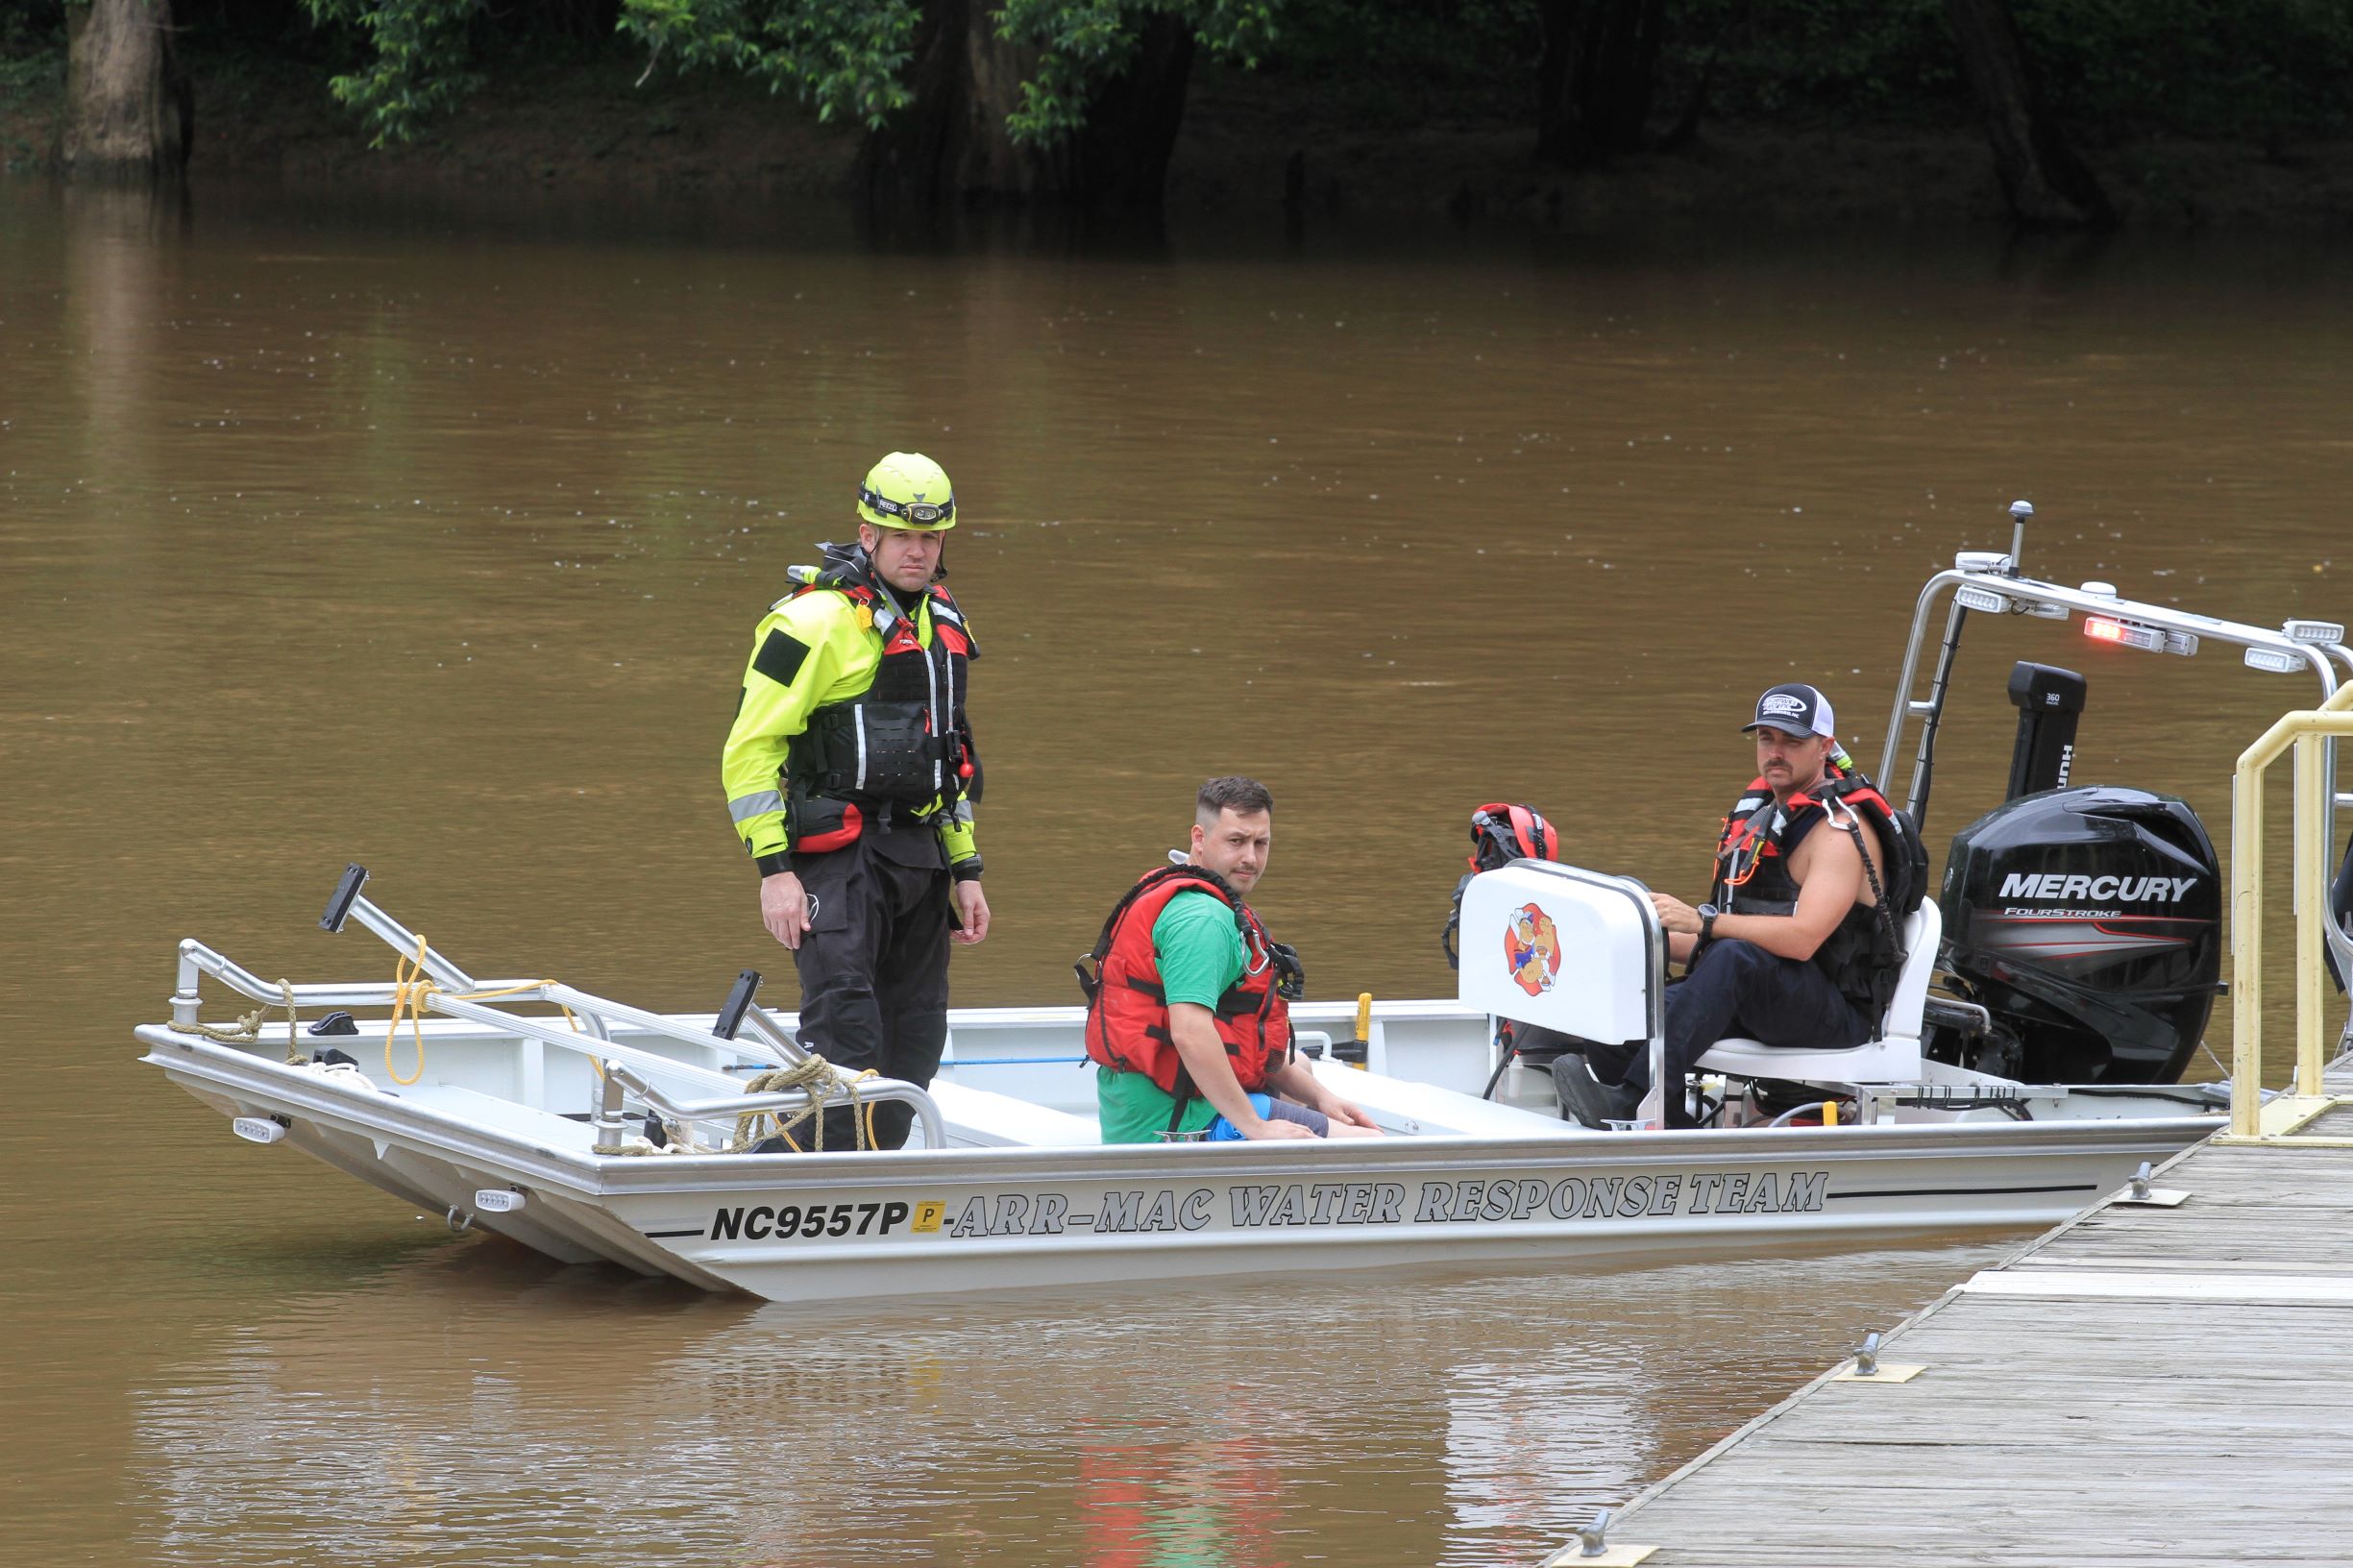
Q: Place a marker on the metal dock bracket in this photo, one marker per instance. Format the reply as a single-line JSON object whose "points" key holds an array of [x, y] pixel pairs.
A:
{"points": [[1866, 1367], [1591, 1548], [2138, 1194]]}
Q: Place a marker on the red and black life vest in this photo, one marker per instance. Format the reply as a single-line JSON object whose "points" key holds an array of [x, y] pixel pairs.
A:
{"points": [[1127, 1009], [903, 742], [1864, 953]]}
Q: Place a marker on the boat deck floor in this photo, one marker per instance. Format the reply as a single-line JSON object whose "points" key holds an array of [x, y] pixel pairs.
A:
{"points": [[2143, 1386]]}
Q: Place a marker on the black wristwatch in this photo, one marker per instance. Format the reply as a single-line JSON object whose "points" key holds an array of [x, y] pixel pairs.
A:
{"points": [[1708, 922]]}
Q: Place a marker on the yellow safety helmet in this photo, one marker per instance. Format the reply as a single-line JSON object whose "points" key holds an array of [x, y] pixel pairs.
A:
{"points": [[908, 490]]}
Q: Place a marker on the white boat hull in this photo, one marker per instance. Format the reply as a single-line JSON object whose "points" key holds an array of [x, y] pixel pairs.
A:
{"points": [[961, 1219]]}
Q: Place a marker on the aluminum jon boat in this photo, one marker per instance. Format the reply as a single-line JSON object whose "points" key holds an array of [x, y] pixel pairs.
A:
{"points": [[2051, 993], [533, 1127]]}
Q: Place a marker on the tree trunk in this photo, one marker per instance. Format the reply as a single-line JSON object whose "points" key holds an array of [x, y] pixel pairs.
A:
{"points": [[951, 140], [129, 113], [950, 146], [2041, 177], [1595, 78], [1118, 161]]}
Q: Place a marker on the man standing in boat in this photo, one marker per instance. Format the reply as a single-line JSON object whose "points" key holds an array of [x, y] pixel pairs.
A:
{"points": [[1798, 944], [1188, 998], [850, 775]]}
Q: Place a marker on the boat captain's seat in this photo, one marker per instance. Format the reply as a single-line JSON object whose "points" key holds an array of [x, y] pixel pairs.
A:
{"points": [[1894, 1057]]}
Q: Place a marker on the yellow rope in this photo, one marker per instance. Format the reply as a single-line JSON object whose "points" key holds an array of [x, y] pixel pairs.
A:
{"points": [[412, 988], [822, 1080]]}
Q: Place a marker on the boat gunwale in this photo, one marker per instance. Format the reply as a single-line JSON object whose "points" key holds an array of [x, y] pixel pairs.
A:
{"points": [[234, 1070]]}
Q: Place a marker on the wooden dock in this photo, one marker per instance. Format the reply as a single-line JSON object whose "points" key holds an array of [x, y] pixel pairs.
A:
{"points": [[2143, 1386]]}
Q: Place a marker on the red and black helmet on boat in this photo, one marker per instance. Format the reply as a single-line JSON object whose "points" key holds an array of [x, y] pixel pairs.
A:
{"points": [[1502, 833]]}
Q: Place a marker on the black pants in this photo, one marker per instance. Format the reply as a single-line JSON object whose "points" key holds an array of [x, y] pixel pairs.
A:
{"points": [[1736, 987], [873, 969]]}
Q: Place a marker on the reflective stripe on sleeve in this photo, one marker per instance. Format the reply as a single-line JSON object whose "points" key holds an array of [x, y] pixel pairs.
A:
{"points": [[745, 807]]}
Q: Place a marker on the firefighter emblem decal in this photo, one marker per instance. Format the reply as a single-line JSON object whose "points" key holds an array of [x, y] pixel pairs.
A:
{"points": [[1532, 949]]}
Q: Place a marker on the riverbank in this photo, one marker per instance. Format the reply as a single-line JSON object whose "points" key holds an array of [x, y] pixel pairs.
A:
{"points": [[588, 126]]}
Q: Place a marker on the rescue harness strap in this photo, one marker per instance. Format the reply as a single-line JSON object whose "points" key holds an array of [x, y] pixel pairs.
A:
{"points": [[1832, 806]]}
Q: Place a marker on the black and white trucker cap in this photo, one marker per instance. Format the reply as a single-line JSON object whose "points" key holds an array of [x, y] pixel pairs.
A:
{"points": [[1794, 709]]}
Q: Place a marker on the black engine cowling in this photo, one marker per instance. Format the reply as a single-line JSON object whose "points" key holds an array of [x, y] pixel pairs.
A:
{"points": [[2088, 922]]}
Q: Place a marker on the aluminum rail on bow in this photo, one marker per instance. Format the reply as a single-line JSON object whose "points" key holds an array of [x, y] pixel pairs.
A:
{"points": [[196, 959], [1994, 589], [598, 1014], [618, 1059]]}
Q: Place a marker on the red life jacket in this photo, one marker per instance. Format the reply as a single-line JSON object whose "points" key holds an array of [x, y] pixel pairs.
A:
{"points": [[1127, 1009]]}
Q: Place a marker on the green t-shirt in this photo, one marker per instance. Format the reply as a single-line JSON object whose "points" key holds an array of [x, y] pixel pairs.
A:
{"points": [[1200, 956]]}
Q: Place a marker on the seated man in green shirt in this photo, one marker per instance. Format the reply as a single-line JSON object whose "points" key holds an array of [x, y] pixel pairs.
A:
{"points": [[1188, 1012]]}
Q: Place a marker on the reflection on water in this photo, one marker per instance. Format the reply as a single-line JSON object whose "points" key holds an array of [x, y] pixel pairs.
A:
{"points": [[432, 539], [481, 1409]]}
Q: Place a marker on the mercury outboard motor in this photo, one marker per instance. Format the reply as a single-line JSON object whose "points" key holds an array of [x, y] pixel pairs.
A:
{"points": [[2088, 922]]}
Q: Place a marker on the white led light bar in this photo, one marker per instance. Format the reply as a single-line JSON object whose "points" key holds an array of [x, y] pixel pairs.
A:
{"points": [[1972, 598], [2271, 658], [2313, 631]]}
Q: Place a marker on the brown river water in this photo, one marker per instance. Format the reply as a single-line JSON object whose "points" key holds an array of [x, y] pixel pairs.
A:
{"points": [[431, 536]]}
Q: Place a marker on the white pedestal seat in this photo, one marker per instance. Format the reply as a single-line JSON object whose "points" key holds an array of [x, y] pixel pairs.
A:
{"points": [[1893, 1057]]}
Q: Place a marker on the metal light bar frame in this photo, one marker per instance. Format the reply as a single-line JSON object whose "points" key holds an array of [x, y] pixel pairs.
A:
{"points": [[2330, 663]]}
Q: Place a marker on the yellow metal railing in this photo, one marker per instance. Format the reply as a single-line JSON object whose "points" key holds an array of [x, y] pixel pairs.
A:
{"points": [[2308, 732]]}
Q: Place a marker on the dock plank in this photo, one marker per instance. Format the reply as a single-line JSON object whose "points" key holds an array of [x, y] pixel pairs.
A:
{"points": [[2052, 1429]]}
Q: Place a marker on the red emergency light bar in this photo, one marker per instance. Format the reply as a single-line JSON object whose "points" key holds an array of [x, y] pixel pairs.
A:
{"points": [[2107, 628]]}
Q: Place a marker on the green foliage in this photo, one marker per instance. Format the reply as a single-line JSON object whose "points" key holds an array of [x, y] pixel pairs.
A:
{"points": [[845, 56], [2261, 68], [32, 54], [420, 65], [31, 28], [2112, 67], [2195, 67], [1401, 64], [1876, 60], [1084, 42]]}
